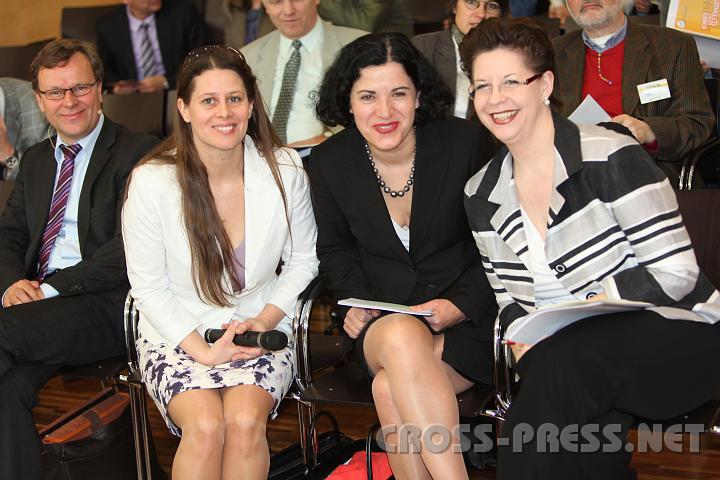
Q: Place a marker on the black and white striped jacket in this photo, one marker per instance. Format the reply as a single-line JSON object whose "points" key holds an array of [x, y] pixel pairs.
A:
{"points": [[613, 227]]}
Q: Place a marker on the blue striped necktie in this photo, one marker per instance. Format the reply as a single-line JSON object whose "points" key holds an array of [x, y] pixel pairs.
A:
{"points": [[148, 65]]}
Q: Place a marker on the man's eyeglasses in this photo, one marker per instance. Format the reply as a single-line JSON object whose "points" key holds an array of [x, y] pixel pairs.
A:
{"points": [[77, 91], [485, 89], [490, 7]]}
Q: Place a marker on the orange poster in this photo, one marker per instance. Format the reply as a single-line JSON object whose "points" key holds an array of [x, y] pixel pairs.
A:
{"points": [[697, 17]]}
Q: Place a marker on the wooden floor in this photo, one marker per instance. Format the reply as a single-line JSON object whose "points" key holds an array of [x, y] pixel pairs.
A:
{"points": [[60, 396]]}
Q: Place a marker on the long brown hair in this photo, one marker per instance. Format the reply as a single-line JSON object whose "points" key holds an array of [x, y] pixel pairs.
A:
{"points": [[210, 247]]}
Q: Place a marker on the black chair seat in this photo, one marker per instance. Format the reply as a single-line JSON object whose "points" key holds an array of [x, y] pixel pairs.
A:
{"points": [[347, 385], [327, 350], [103, 370]]}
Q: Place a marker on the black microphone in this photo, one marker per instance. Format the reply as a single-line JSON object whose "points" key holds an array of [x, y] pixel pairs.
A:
{"points": [[270, 340]]}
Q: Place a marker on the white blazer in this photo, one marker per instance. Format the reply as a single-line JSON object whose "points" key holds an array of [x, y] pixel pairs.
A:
{"points": [[158, 252]]}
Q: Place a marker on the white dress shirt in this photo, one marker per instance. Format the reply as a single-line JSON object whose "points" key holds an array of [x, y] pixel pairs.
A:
{"points": [[66, 250], [302, 123], [135, 37], [462, 85]]}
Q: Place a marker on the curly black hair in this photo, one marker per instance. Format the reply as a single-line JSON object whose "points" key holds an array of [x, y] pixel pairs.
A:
{"points": [[332, 100]]}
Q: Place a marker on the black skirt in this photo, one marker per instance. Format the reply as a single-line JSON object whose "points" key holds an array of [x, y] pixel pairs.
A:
{"points": [[470, 357]]}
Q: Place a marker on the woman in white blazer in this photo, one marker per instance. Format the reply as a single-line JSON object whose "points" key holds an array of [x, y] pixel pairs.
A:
{"points": [[209, 216]]}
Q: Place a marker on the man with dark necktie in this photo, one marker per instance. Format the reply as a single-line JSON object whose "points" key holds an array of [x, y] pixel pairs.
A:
{"points": [[143, 43], [62, 266], [289, 64]]}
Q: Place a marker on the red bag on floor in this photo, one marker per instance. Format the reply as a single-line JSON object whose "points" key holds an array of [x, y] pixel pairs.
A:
{"points": [[356, 468]]}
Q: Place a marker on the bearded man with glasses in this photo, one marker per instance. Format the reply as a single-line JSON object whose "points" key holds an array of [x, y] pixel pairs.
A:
{"points": [[62, 266]]}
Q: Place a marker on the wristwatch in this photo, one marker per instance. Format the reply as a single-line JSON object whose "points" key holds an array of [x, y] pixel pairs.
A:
{"points": [[11, 161]]}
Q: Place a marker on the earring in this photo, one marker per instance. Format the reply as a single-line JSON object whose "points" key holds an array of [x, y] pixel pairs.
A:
{"points": [[546, 101]]}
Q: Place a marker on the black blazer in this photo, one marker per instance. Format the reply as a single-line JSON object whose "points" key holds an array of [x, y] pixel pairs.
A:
{"points": [[23, 221], [359, 251], [179, 30]]}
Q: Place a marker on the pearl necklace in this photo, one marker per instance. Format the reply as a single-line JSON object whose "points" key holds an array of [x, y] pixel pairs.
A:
{"points": [[381, 182]]}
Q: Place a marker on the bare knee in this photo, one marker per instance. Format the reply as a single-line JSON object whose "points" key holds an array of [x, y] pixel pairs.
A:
{"points": [[399, 341], [206, 432], [245, 429]]}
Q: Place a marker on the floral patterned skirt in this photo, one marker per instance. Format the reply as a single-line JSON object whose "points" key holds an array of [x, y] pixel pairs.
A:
{"points": [[168, 371]]}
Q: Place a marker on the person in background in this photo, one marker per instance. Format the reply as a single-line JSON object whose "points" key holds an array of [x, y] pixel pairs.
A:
{"points": [[613, 59], [209, 216], [289, 63], [22, 124], [568, 213], [62, 265], [442, 48], [244, 21], [368, 15], [387, 193], [143, 43]]}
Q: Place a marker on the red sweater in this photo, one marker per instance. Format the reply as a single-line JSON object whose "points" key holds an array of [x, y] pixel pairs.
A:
{"points": [[608, 95]]}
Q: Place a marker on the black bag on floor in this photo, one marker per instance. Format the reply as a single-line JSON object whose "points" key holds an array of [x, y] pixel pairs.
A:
{"points": [[482, 449], [93, 441], [289, 463]]}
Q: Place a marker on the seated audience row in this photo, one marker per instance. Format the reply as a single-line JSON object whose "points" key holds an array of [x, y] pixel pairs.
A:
{"points": [[143, 42]]}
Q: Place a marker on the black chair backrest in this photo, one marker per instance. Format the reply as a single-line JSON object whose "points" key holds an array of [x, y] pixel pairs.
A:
{"points": [[139, 112], [79, 22], [170, 111], [701, 213], [427, 15], [15, 61]]}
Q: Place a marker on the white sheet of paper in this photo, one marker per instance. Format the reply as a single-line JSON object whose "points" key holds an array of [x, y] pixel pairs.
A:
{"points": [[709, 50], [589, 111], [388, 307], [542, 323]]}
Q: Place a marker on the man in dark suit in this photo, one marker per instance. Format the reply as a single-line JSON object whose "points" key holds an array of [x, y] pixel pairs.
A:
{"points": [[647, 78], [143, 43], [62, 266]]}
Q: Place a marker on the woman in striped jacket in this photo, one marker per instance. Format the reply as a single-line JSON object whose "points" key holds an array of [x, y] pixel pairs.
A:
{"points": [[566, 213]]}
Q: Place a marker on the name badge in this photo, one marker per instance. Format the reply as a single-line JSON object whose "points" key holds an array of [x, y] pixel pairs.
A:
{"points": [[653, 91]]}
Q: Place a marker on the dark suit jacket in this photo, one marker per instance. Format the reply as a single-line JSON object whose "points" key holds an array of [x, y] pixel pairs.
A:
{"points": [[359, 251], [439, 49], [681, 123], [179, 29], [22, 223], [234, 30]]}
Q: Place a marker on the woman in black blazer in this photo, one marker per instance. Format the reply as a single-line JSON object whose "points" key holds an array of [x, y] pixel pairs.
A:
{"points": [[387, 194]]}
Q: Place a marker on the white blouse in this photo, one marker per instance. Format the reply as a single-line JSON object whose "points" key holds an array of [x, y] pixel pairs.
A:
{"points": [[403, 234], [548, 289]]}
